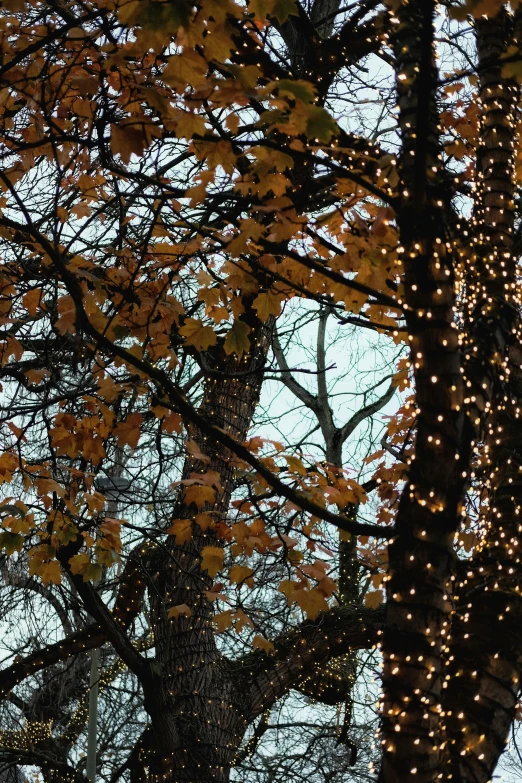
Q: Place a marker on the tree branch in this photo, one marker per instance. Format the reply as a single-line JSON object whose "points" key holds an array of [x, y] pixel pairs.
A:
{"points": [[346, 430], [298, 653], [171, 397]]}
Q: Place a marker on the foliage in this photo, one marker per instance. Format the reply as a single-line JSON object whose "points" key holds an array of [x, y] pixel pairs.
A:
{"points": [[188, 194]]}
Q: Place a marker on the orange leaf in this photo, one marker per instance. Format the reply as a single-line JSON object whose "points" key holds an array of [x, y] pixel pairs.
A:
{"points": [[374, 599], [237, 339], [128, 432], [259, 642], [197, 334], [223, 620], [267, 304], [199, 495], [31, 300], [195, 451], [239, 574], [175, 611], [50, 572], [67, 311], [212, 559], [182, 529], [127, 140]]}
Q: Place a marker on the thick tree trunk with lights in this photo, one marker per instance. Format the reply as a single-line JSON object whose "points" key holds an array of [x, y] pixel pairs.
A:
{"points": [[485, 665], [421, 560], [194, 707]]}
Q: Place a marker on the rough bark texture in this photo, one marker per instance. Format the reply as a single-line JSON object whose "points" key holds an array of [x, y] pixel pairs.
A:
{"points": [[484, 667], [421, 560], [194, 708]]}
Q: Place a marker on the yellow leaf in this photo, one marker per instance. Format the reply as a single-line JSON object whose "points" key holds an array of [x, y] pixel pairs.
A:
{"points": [[212, 558], [267, 304], [374, 599], [175, 611], [93, 572], [377, 580], [223, 620], [295, 465], [239, 574], [197, 334], [67, 312], [50, 572], [259, 642], [127, 432], [111, 531], [311, 602], [182, 529], [282, 9], [126, 140], [190, 124], [204, 520], [237, 339], [200, 495], [186, 69], [79, 563], [242, 620], [31, 300]]}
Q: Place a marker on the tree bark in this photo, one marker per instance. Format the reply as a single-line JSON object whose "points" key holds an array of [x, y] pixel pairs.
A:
{"points": [[485, 661], [421, 559], [195, 712]]}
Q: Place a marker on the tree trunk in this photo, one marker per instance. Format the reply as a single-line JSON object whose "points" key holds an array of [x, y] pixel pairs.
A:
{"points": [[485, 661], [421, 560], [196, 713]]}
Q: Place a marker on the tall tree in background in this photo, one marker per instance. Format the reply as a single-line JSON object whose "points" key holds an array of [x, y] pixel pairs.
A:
{"points": [[174, 176]]}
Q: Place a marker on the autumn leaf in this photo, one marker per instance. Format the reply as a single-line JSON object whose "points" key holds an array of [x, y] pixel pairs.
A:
{"points": [[195, 451], [204, 520], [127, 432], [212, 558], [260, 643], [223, 620], [50, 572], [199, 495], [267, 304], [260, 8], [67, 312], [237, 340], [320, 124], [296, 88], [373, 599], [127, 140], [11, 542], [190, 124], [181, 529], [295, 465], [241, 574], [197, 334], [8, 465], [181, 609], [186, 69], [311, 602], [79, 563], [111, 531], [31, 300], [282, 9]]}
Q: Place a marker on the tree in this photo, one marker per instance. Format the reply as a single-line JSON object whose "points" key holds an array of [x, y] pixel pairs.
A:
{"points": [[174, 176]]}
